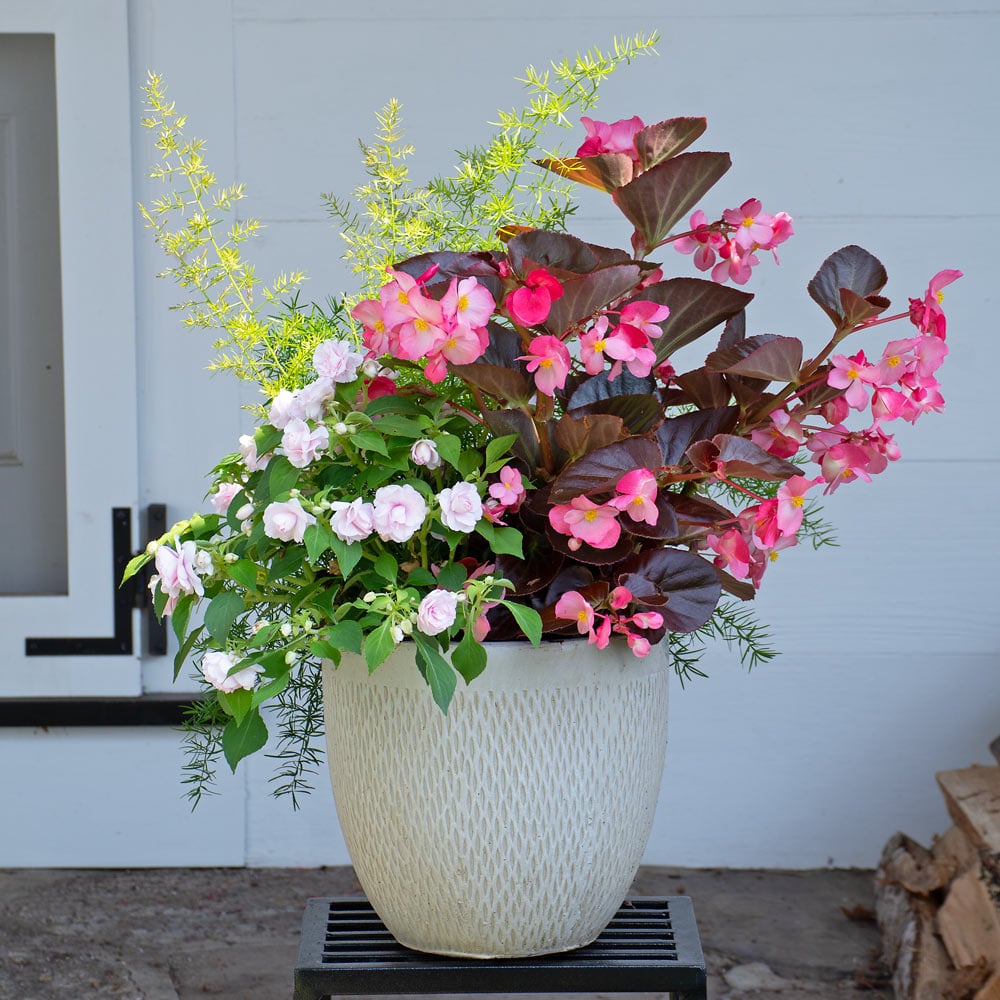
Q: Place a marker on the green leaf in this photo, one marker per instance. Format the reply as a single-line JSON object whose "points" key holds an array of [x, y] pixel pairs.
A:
{"points": [[421, 577], [438, 672], [185, 650], [181, 615], [369, 440], [398, 426], [318, 539], [135, 564], [266, 438], [244, 571], [528, 619], [452, 576], [239, 740], [346, 635], [378, 645], [498, 447], [348, 556], [502, 541], [286, 564], [386, 567], [449, 448], [270, 690], [224, 609], [469, 657], [236, 703], [278, 478]]}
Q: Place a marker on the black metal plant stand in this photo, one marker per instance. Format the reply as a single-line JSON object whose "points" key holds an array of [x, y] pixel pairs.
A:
{"points": [[651, 946]]}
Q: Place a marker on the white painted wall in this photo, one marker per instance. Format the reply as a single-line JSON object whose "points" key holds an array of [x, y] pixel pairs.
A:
{"points": [[870, 122]]}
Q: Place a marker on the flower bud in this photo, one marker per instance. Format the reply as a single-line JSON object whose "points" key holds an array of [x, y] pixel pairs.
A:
{"points": [[231, 557], [152, 547], [406, 626], [369, 597], [340, 428], [290, 657], [286, 629], [397, 633], [245, 512]]}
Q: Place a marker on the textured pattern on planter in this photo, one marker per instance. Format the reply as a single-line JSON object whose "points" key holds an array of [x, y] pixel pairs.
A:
{"points": [[515, 825]]}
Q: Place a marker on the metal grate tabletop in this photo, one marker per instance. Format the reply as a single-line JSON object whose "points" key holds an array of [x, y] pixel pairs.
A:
{"points": [[650, 946]]}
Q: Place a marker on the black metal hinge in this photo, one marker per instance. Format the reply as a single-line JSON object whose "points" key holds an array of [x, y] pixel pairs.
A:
{"points": [[133, 594]]}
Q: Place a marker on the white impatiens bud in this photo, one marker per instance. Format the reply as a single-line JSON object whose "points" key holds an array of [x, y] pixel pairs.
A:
{"points": [[290, 657], [407, 626], [152, 547], [286, 629], [371, 367], [202, 562], [425, 453], [246, 511], [231, 557], [369, 597], [397, 633], [340, 428]]}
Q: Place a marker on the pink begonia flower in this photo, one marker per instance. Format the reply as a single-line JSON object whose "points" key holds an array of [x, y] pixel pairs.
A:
{"points": [[926, 314], [215, 667], [177, 572], [735, 264], [468, 302], [791, 499], [424, 453], [644, 316], [888, 404], [510, 490], [835, 411], [399, 512], [852, 374], [437, 612], [313, 398], [550, 361], [665, 372], [461, 345], [843, 463], [783, 438], [637, 491], [753, 227], [375, 333], [592, 346], [530, 304], [762, 520], [733, 552], [929, 353], [394, 297], [379, 386], [702, 241], [574, 607], [337, 360], [595, 524], [286, 520], [248, 449], [423, 332], [616, 137], [647, 619], [461, 507], [481, 628], [223, 496], [352, 522], [302, 444], [601, 636], [629, 346], [639, 644], [925, 399], [619, 598], [284, 407]]}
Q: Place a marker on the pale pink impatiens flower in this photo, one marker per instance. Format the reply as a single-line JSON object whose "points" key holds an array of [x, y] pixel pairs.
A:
{"points": [[287, 520], [337, 360], [437, 612], [215, 667], [352, 522], [177, 572], [223, 496], [399, 512], [461, 507], [550, 361], [302, 444], [637, 496]]}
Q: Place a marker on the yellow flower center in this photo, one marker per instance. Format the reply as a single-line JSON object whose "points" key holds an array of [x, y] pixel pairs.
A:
{"points": [[420, 324], [939, 295], [545, 363], [798, 501], [637, 500], [853, 373], [773, 556], [599, 345], [379, 326], [748, 222], [463, 303], [581, 616], [893, 361], [451, 343], [590, 515], [401, 295]]}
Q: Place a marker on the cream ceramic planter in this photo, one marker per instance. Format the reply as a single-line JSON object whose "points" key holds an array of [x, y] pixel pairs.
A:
{"points": [[515, 824]]}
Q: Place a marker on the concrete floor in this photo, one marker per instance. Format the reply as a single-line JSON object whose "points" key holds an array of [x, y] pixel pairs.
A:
{"points": [[231, 934]]}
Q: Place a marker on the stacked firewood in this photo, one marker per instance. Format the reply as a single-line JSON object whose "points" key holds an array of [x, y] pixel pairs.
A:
{"points": [[939, 909]]}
